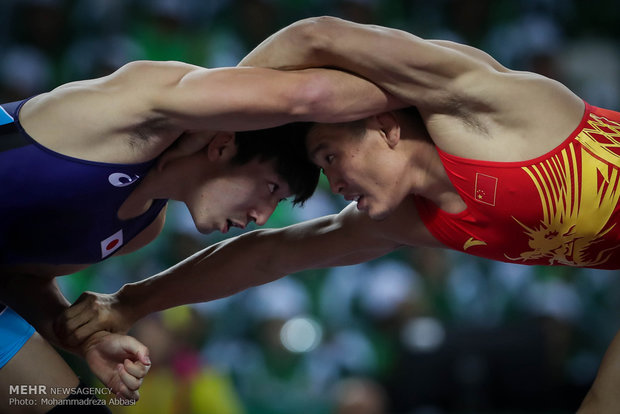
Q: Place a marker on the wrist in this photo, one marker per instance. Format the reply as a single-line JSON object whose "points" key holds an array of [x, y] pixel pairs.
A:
{"points": [[130, 304], [83, 349]]}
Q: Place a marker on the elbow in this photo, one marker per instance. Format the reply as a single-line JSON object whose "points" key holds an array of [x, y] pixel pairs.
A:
{"points": [[316, 34], [310, 96]]}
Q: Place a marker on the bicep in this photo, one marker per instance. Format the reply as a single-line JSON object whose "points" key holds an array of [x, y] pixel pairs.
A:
{"points": [[236, 99], [192, 97], [243, 98], [474, 53]]}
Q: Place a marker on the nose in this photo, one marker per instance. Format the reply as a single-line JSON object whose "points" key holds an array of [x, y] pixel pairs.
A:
{"points": [[261, 213], [335, 185]]}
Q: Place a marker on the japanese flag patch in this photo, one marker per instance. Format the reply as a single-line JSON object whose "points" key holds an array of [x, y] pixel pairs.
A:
{"points": [[111, 244]]}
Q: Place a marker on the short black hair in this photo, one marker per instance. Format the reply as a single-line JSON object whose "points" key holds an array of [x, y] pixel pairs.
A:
{"points": [[286, 146]]}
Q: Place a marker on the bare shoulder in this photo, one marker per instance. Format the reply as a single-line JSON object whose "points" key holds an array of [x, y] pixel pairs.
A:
{"points": [[505, 115], [103, 119]]}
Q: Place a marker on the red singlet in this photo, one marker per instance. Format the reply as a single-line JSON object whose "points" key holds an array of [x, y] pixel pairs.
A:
{"points": [[558, 209]]}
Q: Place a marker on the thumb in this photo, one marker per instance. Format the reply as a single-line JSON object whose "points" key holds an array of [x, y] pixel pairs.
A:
{"points": [[134, 347]]}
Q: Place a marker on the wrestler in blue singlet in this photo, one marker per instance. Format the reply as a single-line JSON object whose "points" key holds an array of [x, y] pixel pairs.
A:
{"points": [[57, 209]]}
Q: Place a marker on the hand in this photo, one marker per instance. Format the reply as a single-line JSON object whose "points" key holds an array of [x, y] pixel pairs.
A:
{"points": [[92, 312], [120, 361]]}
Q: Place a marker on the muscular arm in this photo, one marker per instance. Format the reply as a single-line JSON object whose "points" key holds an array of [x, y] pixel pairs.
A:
{"points": [[259, 257], [603, 395], [420, 72], [162, 100], [252, 98], [453, 86], [249, 260]]}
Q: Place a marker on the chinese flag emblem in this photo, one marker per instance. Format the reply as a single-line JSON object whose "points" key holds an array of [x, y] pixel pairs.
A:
{"points": [[485, 189]]}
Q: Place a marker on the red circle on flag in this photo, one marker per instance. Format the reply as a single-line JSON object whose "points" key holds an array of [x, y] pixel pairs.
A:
{"points": [[112, 244]]}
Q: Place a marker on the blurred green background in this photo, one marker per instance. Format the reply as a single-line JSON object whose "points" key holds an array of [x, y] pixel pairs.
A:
{"points": [[416, 332]]}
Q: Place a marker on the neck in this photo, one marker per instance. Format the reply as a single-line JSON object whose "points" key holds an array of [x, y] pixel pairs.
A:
{"points": [[430, 180], [141, 198]]}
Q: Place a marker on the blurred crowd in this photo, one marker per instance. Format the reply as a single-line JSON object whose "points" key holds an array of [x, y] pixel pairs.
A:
{"points": [[416, 332]]}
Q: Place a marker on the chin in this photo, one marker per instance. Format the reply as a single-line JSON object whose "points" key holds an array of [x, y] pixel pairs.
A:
{"points": [[204, 229], [380, 211], [379, 215]]}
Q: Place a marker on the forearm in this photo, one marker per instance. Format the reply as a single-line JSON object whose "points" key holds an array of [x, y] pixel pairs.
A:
{"points": [[36, 299], [603, 396], [302, 47], [339, 96], [414, 70], [330, 42], [218, 271], [327, 42], [255, 258], [242, 99]]}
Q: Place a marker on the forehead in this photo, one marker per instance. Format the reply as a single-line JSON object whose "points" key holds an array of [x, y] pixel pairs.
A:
{"points": [[268, 171], [323, 136], [256, 168]]}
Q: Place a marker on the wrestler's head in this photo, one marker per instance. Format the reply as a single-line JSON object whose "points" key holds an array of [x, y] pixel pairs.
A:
{"points": [[239, 178], [369, 161]]}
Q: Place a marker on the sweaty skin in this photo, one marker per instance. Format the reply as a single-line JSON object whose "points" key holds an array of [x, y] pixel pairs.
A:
{"points": [[182, 116], [469, 106]]}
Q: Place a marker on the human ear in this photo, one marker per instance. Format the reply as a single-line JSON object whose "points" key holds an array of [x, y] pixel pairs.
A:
{"points": [[222, 147], [390, 128]]}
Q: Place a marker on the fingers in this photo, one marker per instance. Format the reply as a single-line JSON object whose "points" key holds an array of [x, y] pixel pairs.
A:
{"points": [[126, 386], [134, 347], [76, 335], [133, 371], [136, 369], [69, 325], [131, 375], [131, 382], [82, 304]]}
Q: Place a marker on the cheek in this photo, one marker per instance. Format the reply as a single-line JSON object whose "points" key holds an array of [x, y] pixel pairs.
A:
{"points": [[216, 195], [243, 192], [384, 171], [355, 170]]}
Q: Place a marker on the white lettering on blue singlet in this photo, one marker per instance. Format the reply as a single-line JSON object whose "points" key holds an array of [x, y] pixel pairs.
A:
{"points": [[122, 179], [5, 118]]}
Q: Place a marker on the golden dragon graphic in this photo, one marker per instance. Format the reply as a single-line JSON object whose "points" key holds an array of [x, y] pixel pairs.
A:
{"points": [[578, 196]]}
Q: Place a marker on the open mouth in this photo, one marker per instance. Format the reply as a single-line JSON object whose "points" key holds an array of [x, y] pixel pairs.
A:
{"points": [[361, 203], [230, 224]]}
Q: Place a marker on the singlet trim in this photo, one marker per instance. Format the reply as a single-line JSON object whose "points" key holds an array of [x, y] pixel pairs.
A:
{"points": [[457, 216], [502, 164], [63, 156], [426, 210], [437, 210], [429, 212]]}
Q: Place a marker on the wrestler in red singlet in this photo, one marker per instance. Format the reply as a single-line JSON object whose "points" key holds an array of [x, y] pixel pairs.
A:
{"points": [[561, 208]]}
